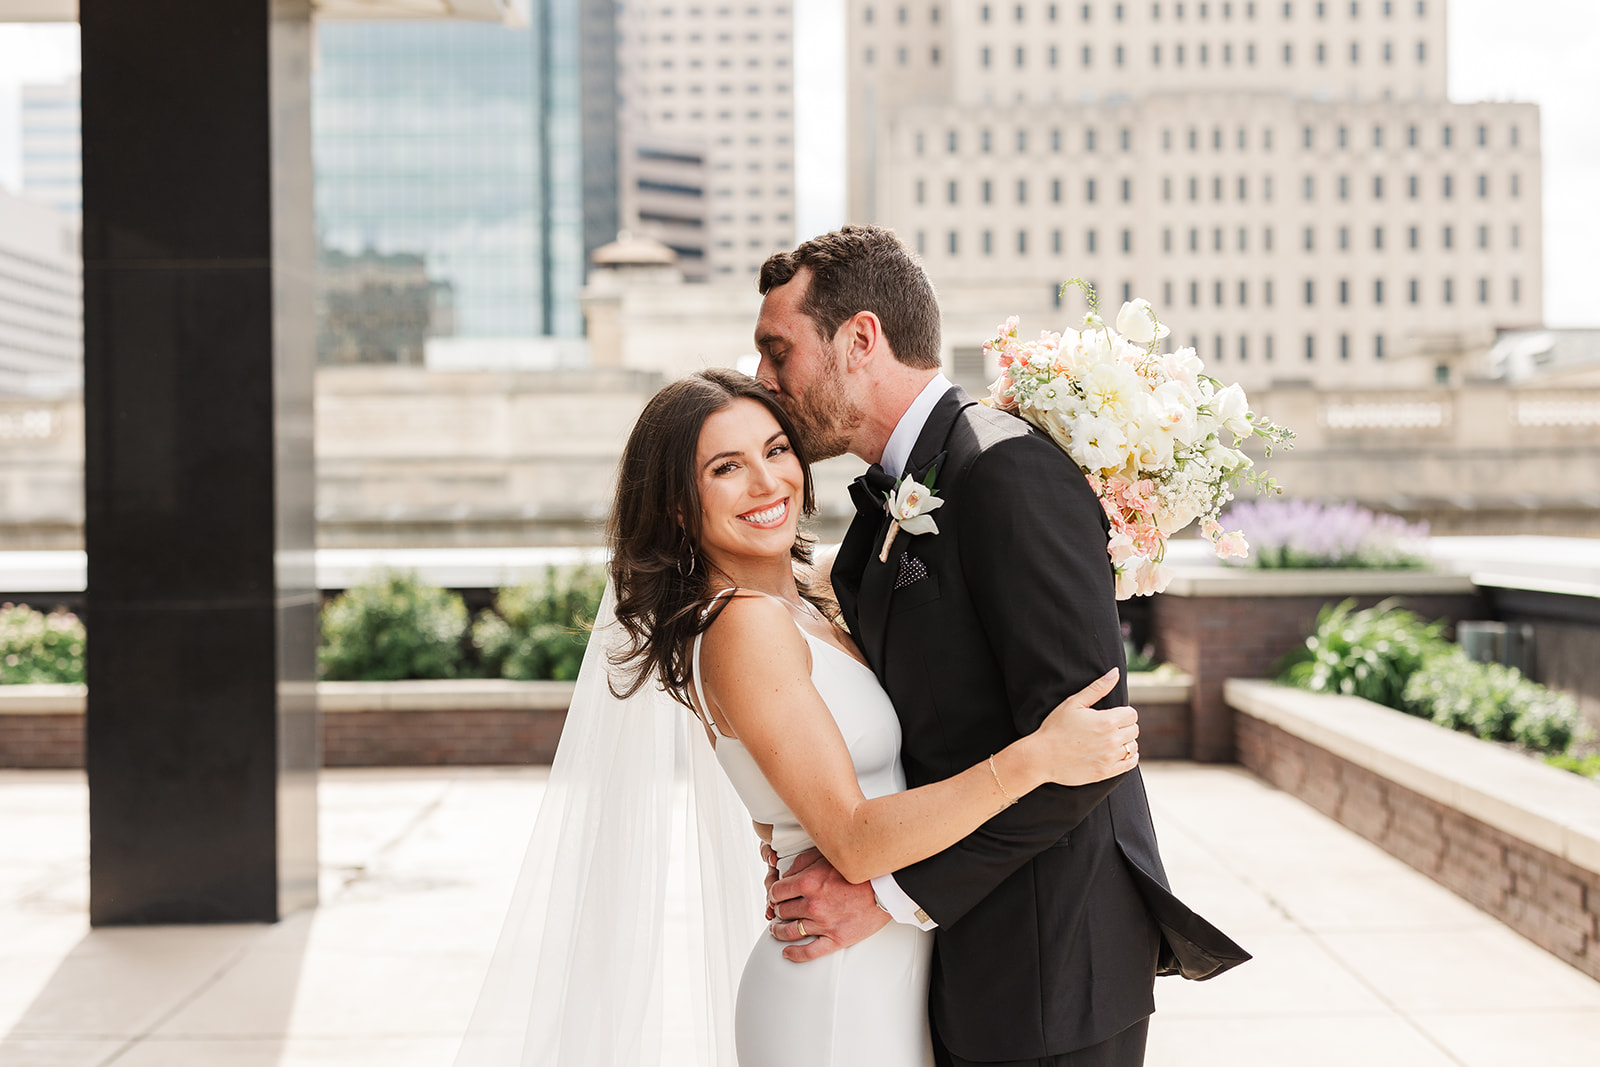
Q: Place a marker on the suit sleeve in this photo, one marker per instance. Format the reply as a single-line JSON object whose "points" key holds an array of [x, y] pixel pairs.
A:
{"points": [[1033, 553]]}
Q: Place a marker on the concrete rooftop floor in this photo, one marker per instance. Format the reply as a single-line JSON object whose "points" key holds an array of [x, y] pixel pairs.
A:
{"points": [[1359, 959]]}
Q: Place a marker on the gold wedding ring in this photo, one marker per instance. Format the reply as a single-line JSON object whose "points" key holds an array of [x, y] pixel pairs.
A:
{"points": [[1127, 750], [800, 923]]}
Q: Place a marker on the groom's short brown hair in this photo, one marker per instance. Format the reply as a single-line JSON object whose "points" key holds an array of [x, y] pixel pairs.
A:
{"points": [[864, 268]]}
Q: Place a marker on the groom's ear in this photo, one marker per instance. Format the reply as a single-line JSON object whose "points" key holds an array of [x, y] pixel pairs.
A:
{"points": [[860, 340]]}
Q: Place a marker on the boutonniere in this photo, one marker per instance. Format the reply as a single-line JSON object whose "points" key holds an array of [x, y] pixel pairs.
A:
{"points": [[909, 506]]}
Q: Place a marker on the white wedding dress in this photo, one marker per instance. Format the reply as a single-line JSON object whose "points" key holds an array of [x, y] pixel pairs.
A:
{"points": [[862, 1006]]}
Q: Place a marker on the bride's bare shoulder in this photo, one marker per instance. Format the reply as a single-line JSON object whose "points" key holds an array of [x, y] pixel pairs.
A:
{"points": [[753, 629]]}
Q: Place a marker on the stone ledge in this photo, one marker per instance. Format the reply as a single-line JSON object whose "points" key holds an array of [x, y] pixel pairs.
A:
{"points": [[1548, 808], [1204, 581], [468, 694]]}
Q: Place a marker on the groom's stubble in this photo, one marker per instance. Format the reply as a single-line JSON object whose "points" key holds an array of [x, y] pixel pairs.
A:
{"points": [[825, 413]]}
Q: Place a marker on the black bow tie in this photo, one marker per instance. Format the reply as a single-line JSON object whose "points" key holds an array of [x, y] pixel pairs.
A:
{"points": [[869, 490]]}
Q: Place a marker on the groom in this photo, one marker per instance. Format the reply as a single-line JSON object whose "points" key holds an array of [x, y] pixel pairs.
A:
{"points": [[1055, 917]]}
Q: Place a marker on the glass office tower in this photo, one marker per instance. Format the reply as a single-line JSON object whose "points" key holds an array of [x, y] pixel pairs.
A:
{"points": [[452, 161]]}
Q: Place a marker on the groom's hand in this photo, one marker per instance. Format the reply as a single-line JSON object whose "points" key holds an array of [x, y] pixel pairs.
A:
{"points": [[814, 900]]}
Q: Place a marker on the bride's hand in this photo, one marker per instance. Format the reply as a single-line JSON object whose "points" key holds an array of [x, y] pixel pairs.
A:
{"points": [[1079, 743]]}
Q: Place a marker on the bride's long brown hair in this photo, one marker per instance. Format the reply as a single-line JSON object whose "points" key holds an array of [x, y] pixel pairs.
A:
{"points": [[660, 576]]}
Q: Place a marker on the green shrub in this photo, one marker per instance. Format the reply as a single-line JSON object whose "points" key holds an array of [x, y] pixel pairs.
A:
{"points": [[391, 628], [1588, 766], [37, 649], [1491, 701], [1369, 653], [539, 630]]}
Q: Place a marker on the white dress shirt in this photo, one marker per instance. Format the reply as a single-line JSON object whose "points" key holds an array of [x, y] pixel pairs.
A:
{"points": [[896, 454]]}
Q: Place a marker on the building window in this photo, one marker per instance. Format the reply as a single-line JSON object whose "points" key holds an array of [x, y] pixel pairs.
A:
{"points": [[1483, 290], [1194, 188], [1516, 186], [1022, 242], [1091, 242], [920, 190], [1311, 347], [1411, 137], [1194, 239], [1449, 186], [1344, 238], [1377, 346], [1022, 190], [988, 191], [1377, 238], [1322, 53], [1089, 139], [1216, 239], [922, 242], [1516, 290], [1216, 188], [1513, 133], [985, 142], [1244, 239], [1244, 348], [1216, 347], [1086, 55], [1449, 238], [951, 191], [951, 142], [1449, 291], [1120, 55], [1344, 346], [953, 242], [1413, 238], [1311, 239], [1166, 188], [1088, 190], [1127, 240], [1310, 188], [1127, 190], [1355, 54], [1054, 57], [1266, 139], [1020, 57], [1055, 190], [1244, 293], [1155, 55], [1388, 53], [1244, 187], [1216, 293], [1055, 140], [1344, 290], [1166, 245], [1377, 291], [1022, 141], [1311, 292], [1377, 187], [983, 56], [1483, 237], [1266, 297], [1266, 348], [1126, 139], [1344, 187], [1288, 54], [1266, 239], [1055, 241], [1411, 186], [1413, 291], [1422, 52], [1166, 294], [1516, 236], [988, 242], [1194, 294], [1483, 187], [1448, 135], [919, 142], [1266, 187]]}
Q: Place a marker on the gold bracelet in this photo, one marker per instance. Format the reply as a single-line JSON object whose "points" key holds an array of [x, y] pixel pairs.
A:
{"points": [[1010, 800]]}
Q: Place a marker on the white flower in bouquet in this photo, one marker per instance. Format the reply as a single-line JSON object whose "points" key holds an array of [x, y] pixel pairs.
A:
{"points": [[1146, 428]]}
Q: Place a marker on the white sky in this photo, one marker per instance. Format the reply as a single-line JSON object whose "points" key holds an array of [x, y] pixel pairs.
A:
{"points": [[1540, 50]]}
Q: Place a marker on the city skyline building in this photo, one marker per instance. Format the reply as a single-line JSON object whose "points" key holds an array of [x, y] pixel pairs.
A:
{"points": [[52, 145], [1287, 182], [485, 152], [707, 103], [41, 299]]}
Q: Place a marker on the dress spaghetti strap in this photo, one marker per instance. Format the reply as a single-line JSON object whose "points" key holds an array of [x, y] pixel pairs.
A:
{"points": [[701, 711]]}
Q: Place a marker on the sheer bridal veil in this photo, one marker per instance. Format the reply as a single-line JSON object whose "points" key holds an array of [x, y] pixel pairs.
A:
{"points": [[639, 898]]}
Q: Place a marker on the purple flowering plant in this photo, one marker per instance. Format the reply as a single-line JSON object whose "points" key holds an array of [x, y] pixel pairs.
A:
{"points": [[1307, 534]]}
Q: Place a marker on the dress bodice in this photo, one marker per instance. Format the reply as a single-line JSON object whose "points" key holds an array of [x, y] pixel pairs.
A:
{"points": [[866, 719]]}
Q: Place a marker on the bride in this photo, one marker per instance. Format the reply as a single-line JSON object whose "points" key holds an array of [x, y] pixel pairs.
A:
{"points": [[711, 611]]}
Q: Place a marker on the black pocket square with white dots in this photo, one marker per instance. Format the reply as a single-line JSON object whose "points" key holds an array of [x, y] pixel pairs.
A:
{"points": [[912, 570]]}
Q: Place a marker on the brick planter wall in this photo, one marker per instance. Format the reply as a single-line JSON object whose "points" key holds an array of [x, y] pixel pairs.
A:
{"points": [[1218, 625], [1518, 839], [440, 738], [1548, 900], [39, 741]]}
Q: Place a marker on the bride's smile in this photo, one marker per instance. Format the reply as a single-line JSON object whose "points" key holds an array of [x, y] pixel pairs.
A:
{"points": [[750, 485]]}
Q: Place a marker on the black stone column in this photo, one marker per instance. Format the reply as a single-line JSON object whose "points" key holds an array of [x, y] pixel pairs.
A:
{"points": [[198, 355]]}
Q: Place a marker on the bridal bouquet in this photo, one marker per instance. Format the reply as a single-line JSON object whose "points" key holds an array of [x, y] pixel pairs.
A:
{"points": [[1145, 426]]}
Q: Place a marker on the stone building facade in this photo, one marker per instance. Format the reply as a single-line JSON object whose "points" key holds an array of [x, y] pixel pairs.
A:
{"points": [[707, 157], [1287, 182]]}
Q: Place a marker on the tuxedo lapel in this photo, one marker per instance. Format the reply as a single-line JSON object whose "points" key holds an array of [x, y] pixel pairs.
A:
{"points": [[877, 579]]}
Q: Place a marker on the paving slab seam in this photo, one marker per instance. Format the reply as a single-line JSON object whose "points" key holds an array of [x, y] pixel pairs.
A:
{"points": [[1204, 844], [200, 989]]}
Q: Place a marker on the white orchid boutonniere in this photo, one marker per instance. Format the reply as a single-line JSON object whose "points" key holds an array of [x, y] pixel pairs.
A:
{"points": [[909, 506]]}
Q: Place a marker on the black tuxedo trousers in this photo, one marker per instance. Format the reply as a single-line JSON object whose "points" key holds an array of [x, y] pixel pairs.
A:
{"points": [[1054, 917]]}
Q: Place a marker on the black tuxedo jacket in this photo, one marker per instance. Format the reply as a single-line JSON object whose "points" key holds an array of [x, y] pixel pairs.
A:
{"points": [[1055, 916]]}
